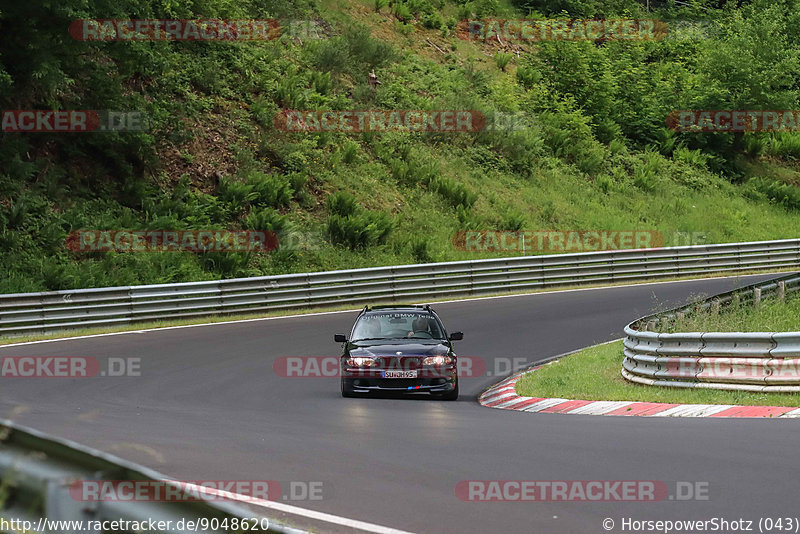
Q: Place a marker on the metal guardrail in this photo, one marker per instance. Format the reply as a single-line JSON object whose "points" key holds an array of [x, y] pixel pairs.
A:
{"points": [[745, 361], [36, 312], [38, 475]]}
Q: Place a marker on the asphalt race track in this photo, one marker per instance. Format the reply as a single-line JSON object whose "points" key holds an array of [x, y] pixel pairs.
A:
{"points": [[209, 406]]}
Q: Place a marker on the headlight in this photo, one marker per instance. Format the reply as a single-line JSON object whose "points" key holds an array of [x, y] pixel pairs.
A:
{"points": [[361, 361], [437, 360]]}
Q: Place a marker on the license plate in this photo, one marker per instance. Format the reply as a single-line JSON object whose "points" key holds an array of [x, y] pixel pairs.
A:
{"points": [[399, 374]]}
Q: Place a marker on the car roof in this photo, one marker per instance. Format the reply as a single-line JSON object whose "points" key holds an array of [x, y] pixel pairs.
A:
{"points": [[419, 308], [399, 307]]}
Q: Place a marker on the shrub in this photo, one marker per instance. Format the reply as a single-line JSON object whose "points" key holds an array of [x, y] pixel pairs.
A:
{"points": [[779, 192], [359, 230], [342, 204], [591, 160], [291, 93], [786, 145], [569, 135], [434, 21], [269, 220], [263, 110], [755, 144], [454, 192], [295, 161], [644, 178], [692, 157], [266, 219], [502, 59], [297, 181], [403, 28], [321, 82], [237, 195], [486, 8], [402, 13], [466, 11], [349, 152], [420, 250], [228, 264], [330, 56], [270, 189], [380, 4], [513, 221], [16, 213], [371, 53], [55, 275], [400, 171], [528, 76], [467, 220], [604, 182]]}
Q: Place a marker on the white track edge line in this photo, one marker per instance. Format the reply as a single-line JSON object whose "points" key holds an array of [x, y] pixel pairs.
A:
{"points": [[296, 510]]}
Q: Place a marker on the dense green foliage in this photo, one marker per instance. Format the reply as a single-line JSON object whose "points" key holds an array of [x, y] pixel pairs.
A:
{"points": [[595, 154]]}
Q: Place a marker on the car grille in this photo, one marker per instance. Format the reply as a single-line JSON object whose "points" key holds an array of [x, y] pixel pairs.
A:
{"points": [[401, 364]]}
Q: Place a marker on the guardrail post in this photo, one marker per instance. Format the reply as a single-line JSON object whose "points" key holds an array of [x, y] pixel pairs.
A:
{"points": [[611, 267], [471, 288], [651, 326], [756, 296], [131, 303], [781, 290]]}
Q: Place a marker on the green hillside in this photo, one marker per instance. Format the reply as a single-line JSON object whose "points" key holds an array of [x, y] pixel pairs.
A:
{"points": [[591, 151]]}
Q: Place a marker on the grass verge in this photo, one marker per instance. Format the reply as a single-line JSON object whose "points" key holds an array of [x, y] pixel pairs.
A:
{"points": [[594, 374], [772, 315]]}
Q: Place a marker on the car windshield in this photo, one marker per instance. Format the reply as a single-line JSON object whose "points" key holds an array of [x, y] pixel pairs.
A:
{"points": [[397, 325]]}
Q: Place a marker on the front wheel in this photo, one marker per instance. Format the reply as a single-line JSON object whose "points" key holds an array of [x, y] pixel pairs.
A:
{"points": [[347, 391], [450, 395]]}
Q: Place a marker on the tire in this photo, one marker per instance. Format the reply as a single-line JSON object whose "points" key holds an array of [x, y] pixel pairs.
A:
{"points": [[346, 391], [450, 395]]}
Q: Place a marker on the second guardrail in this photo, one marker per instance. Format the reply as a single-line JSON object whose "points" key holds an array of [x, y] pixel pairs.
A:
{"points": [[47, 311], [745, 361]]}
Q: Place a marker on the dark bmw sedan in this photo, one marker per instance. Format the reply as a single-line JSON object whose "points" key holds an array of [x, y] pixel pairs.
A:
{"points": [[401, 349]]}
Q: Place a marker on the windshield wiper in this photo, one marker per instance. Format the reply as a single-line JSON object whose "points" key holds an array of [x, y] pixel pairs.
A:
{"points": [[370, 339]]}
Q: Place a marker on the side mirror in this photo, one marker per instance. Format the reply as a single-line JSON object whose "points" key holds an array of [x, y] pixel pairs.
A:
{"points": [[456, 336], [340, 338]]}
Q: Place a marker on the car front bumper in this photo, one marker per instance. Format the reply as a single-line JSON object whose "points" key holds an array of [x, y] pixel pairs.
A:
{"points": [[439, 381]]}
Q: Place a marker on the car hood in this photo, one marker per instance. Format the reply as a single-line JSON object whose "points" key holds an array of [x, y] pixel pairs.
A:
{"points": [[417, 348]]}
